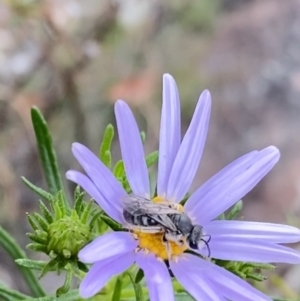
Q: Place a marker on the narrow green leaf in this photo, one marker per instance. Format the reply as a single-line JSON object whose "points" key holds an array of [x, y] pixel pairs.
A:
{"points": [[111, 223], [47, 153], [105, 153], [72, 295], [44, 194], [46, 212], [41, 221], [31, 264], [117, 290], [10, 294], [15, 251], [137, 288], [152, 158], [235, 211]]}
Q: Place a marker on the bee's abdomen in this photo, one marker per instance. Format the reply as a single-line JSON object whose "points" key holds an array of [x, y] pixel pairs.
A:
{"points": [[139, 220]]}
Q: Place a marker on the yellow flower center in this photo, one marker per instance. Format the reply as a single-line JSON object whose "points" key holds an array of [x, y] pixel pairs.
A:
{"points": [[153, 242]]}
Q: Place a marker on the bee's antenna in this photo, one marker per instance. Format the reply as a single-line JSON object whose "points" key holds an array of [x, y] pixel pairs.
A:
{"points": [[206, 244]]}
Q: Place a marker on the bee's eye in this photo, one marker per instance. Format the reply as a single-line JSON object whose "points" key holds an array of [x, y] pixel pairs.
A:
{"points": [[193, 245]]}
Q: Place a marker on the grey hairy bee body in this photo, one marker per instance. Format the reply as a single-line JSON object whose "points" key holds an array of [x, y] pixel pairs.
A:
{"points": [[148, 216]]}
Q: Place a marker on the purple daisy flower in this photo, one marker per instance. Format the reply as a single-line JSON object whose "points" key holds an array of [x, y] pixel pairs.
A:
{"points": [[113, 253]]}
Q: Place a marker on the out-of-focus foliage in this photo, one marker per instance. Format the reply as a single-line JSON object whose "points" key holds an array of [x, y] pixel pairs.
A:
{"points": [[74, 58]]}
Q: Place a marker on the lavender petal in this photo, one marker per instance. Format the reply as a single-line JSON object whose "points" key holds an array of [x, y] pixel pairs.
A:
{"points": [[228, 192], [113, 209], [220, 179], [189, 154], [132, 150], [100, 175], [170, 133], [102, 271], [157, 277], [224, 282], [195, 281], [106, 246], [250, 250], [274, 233]]}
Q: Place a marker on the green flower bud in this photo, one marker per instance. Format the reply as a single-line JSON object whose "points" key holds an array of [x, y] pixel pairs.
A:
{"points": [[68, 235]]}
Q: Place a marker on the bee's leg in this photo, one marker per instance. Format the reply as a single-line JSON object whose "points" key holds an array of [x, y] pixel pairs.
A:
{"points": [[168, 246], [148, 229]]}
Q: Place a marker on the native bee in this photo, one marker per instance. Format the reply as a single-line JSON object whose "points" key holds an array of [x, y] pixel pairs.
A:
{"points": [[147, 216]]}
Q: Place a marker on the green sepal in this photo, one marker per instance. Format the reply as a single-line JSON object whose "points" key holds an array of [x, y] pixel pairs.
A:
{"points": [[119, 170], [37, 247], [86, 212], [60, 199], [235, 211], [44, 194], [46, 152], [111, 223], [67, 284], [256, 277], [94, 219], [105, 148], [139, 276], [151, 158], [183, 201], [46, 212], [32, 264], [41, 221], [264, 266], [38, 237], [82, 267], [32, 222], [50, 266], [58, 214], [139, 295], [78, 197]]}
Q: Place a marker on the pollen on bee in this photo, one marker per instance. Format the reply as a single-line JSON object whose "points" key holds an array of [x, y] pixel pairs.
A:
{"points": [[159, 199], [153, 243]]}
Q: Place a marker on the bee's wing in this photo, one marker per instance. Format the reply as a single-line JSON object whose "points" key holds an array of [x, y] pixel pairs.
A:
{"points": [[165, 221], [138, 206], [157, 211]]}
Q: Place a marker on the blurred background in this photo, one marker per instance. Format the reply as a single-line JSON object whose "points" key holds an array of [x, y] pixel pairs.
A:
{"points": [[74, 58]]}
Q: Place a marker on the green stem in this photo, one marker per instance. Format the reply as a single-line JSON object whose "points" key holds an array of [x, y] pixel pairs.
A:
{"points": [[9, 294], [70, 296], [15, 251]]}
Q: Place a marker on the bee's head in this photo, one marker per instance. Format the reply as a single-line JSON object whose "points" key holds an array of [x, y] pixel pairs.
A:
{"points": [[195, 236]]}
